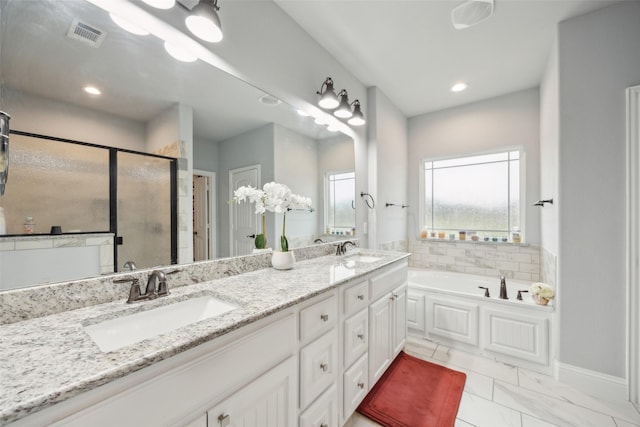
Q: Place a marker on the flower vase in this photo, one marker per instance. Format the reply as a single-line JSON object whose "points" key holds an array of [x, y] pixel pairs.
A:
{"points": [[283, 260], [540, 300]]}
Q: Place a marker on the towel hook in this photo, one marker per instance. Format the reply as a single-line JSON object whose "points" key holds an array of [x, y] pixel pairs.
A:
{"points": [[370, 199]]}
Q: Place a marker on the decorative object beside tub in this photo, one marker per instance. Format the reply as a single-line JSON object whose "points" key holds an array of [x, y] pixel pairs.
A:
{"points": [[276, 198], [541, 293]]}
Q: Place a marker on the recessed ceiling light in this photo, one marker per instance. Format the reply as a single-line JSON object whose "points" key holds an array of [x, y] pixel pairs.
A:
{"points": [[128, 26], [92, 90], [459, 87], [269, 100], [179, 53]]}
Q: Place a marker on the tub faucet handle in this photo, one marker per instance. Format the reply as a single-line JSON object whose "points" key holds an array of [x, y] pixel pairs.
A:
{"points": [[486, 291], [519, 297]]}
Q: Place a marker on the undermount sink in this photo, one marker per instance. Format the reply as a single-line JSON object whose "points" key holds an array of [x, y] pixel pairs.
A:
{"points": [[367, 259], [126, 330]]}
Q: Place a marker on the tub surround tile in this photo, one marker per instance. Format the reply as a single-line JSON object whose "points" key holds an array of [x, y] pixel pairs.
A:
{"points": [[36, 374], [507, 259]]}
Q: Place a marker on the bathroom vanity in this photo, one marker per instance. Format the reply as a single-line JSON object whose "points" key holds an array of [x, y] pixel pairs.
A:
{"points": [[299, 347]]}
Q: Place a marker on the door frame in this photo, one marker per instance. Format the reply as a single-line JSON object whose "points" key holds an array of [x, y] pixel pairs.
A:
{"points": [[633, 243], [212, 217], [233, 206]]}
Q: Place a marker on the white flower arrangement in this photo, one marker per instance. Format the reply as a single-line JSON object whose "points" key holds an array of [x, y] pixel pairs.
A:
{"points": [[273, 197], [543, 290]]}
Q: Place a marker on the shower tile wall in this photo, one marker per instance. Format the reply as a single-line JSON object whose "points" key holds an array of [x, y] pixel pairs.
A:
{"points": [[520, 262], [397, 245], [548, 268]]}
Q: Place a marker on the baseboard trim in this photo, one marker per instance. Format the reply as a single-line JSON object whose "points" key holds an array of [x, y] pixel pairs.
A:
{"points": [[593, 383]]}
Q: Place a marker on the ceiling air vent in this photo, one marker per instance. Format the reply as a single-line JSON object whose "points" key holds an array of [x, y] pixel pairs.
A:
{"points": [[86, 33]]}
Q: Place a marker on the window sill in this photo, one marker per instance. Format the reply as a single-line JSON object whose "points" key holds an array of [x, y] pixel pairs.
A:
{"points": [[467, 241]]}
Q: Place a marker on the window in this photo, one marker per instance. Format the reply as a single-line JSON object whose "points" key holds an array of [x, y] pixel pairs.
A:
{"points": [[340, 214], [478, 194]]}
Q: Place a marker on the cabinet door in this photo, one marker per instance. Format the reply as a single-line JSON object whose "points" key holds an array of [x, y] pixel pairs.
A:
{"points": [[415, 311], [379, 337], [399, 319], [268, 401]]}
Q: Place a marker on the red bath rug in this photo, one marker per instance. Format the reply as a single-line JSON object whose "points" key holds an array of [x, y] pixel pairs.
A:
{"points": [[415, 393]]}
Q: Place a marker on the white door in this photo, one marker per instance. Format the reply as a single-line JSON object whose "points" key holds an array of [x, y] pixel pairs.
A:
{"points": [[268, 401], [242, 218], [379, 338]]}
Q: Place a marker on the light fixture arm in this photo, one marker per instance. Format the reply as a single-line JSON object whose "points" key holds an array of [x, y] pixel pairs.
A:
{"points": [[327, 84]]}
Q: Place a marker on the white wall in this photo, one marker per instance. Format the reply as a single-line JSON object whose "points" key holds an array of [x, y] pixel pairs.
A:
{"points": [[296, 165], [388, 170], [44, 116], [598, 59], [496, 123]]}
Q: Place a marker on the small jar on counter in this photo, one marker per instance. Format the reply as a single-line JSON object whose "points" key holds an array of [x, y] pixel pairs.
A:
{"points": [[463, 235], [29, 226]]}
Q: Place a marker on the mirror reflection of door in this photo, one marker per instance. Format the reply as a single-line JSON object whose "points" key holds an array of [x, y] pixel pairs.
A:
{"points": [[242, 217], [204, 196]]}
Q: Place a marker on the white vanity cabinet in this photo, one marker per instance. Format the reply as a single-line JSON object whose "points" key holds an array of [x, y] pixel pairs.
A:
{"points": [[387, 319], [252, 374]]}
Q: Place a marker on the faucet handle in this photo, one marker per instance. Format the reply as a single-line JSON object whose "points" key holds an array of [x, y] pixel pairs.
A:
{"points": [[486, 291], [519, 297], [134, 292]]}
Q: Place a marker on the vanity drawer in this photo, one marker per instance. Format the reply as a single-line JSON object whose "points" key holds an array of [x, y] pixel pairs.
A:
{"points": [[356, 297], [388, 280], [356, 385], [318, 318], [323, 412], [318, 367], [356, 336]]}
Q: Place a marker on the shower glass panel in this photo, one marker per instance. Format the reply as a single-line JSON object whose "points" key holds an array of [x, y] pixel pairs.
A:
{"points": [[57, 184], [144, 210]]}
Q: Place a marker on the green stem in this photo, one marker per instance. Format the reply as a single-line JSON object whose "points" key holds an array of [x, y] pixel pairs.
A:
{"points": [[264, 228]]}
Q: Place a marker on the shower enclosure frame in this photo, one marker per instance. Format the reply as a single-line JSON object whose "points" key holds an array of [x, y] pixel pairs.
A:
{"points": [[113, 190]]}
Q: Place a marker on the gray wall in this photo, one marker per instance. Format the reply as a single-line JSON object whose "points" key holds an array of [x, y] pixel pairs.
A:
{"points": [[599, 56], [250, 148], [205, 155], [506, 121], [387, 170], [296, 165]]}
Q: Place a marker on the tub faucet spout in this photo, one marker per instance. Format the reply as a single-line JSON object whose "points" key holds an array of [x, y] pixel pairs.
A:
{"points": [[503, 288]]}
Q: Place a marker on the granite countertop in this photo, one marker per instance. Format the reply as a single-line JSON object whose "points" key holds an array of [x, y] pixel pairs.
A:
{"points": [[49, 359]]}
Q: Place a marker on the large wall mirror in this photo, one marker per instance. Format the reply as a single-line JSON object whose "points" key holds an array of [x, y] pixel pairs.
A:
{"points": [[215, 124]]}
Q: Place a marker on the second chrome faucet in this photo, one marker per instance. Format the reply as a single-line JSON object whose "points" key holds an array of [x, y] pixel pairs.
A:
{"points": [[157, 286]]}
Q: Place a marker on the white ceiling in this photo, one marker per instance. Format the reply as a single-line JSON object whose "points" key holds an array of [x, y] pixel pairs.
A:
{"points": [[411, 52]]}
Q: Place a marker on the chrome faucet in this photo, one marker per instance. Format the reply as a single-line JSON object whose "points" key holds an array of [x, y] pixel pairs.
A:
{"points": [[341, 248], [503, 288]]}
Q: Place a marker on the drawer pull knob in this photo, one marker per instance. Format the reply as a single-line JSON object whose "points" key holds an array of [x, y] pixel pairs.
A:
{"points": [[361, 385], [361, 297], [324, 367], [324, 317], [324, 425], [361, 337], [224, 420]]}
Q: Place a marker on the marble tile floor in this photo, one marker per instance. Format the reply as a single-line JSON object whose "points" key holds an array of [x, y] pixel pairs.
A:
{"points": [[499, 395]]}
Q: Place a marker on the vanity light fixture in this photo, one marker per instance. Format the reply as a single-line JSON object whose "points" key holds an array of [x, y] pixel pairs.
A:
{"points": [[128, 26], [328, 98], [320, 121], [344, 109], [459, 87], [204, 21], [303, 113], [160, 4], [358, 118], [92, 90], [333, 128]]}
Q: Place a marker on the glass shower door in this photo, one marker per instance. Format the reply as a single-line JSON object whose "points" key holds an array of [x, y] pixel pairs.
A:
{"points": [[144, 210]]}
